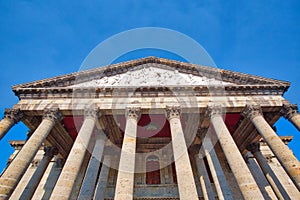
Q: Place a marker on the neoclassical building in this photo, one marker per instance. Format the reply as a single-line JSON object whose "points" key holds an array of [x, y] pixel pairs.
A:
{"points": [[151, 128]]}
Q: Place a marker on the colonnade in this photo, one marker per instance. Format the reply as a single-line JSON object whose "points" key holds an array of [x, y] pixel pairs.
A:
{"points": [[91, 188]]}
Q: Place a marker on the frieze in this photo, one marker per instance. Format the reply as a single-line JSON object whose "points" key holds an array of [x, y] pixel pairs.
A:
{"points": [[91, 92]]}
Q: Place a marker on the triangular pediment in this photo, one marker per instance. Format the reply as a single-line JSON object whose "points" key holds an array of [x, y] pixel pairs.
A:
{"points": [[152, 72], [151, 75]]}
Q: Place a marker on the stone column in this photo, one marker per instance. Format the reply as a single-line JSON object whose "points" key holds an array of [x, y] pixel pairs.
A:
{"points": [[89, 181], [166, 169], [67, 178], [218, 176], [290, 112], [20, 163], [39, 172], [268, 172], [125, 180], [185, 178], [281, 151], [205, 184], [11, 117], [242, 174], [103, 177]]}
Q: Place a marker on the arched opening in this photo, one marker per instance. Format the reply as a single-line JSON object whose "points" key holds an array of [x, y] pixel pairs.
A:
{"points": [[152, 170]]}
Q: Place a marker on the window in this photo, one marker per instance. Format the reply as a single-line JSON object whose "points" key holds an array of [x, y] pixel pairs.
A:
{"points": [[153, 170]]}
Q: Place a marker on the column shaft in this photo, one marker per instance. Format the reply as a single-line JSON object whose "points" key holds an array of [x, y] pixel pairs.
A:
{"points": [[268, 172], [38, 174], [218, 176], [67, 178], [125, 179], [102, 180], [166, 169], [296, 121], [205, 184], [18, 166], [5, 125], [281, 151], [89, 181], [237, 164], [185, 178], [11, 117]]}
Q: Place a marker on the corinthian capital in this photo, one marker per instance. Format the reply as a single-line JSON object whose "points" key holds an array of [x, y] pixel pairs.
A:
{"points": [[92, 111], [173, 111], [289, 110], [251, 111], [213, 110], [13, 114], [52, 114], [133, 112]]}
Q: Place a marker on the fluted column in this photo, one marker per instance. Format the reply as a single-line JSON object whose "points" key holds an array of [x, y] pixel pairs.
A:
{"points": [[281, 151], [268, 172], [89, 181], [11, 117], [103, 177], [185, 178], [218, 176], [125, 180], [20, 163], [205, 184], [290, 112], [39, 172], [66, 180], [242, 174]]}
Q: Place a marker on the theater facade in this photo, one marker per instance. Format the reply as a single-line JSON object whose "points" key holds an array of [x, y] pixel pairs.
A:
{"points": [[154, 129]]}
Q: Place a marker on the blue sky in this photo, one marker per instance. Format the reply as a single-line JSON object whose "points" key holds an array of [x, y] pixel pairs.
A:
{"points": [[41, 39]]}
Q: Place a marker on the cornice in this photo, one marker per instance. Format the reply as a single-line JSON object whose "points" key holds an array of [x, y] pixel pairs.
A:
{"points": [[62, 92], [89, 92]]}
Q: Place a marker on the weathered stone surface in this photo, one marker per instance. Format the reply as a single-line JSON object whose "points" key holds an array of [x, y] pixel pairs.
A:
{"points": [[18, 166], [279, 171], [66, 181], [269, 174], [282, 152], [39, 172], [156, 83], [103, 178], [206, 188], [291, 113], [237, 164], [186, 183], [125, 181], [89, 181], [218, 176], [11, 117]]}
